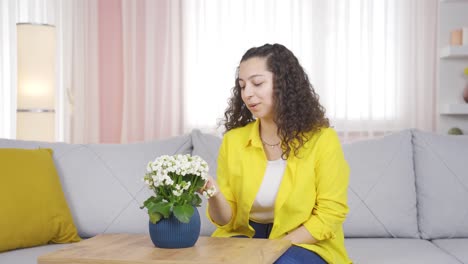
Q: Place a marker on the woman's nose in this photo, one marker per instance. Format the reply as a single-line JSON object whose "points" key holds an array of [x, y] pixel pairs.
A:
{"points": [[248, 91]]}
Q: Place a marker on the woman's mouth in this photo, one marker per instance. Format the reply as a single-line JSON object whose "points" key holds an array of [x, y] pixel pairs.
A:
{"points": [[253, 106]]}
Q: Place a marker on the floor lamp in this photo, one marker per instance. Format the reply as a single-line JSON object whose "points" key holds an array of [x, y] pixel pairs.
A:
{"points": [[36, 82]]}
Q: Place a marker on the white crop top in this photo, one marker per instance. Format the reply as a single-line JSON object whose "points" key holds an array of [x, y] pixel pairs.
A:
{"points": [[263, 208]]}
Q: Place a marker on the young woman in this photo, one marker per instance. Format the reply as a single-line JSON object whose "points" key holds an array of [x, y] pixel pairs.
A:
{"points": [[281, 170]]}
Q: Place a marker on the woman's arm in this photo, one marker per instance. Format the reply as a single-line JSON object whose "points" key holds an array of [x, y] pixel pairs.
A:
{"points": [[219, 208], [300, 236], [331, 183]]}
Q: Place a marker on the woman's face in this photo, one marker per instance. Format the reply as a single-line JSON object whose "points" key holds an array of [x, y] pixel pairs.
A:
{"points": [[256, 84]]}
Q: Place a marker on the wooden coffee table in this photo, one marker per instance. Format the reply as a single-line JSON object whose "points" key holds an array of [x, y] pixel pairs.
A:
{"points": [[131, 248]]}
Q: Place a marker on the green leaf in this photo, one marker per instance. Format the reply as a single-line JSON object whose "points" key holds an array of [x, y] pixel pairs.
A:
{"points": [[148, 202], [199, 183], [163, 208], [196, 200], [183, 212], [155, 217], [184, 197]]}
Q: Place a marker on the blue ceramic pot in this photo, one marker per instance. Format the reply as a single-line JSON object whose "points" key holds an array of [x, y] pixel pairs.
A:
{"points": [[171, 233]]}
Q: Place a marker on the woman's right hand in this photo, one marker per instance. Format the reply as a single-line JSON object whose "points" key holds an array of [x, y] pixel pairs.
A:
{"points": [[210, 188], [219, 208]]}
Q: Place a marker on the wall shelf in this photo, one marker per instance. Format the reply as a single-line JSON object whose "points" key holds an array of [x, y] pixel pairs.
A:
{"points": [[453, 1], [454, 109], [454, 52]]}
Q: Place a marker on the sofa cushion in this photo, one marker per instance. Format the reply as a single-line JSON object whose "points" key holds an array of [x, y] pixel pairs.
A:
{"points": [[381, 193], [396, 250], [103, 182], [442, 184], [207, 147], [457, 247], [34, 210], [28, 255]]}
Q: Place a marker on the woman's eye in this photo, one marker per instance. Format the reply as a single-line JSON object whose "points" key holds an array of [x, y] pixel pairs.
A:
{"points": [[257, 84]]}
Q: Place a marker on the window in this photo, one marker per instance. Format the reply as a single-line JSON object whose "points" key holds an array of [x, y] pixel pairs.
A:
{"points": [[368, 60]]}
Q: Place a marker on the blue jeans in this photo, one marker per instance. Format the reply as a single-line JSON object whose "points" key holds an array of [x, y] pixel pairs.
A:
{"points": [[294, 254]]}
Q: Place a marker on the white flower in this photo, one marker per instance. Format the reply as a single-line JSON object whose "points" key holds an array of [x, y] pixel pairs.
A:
{"points": [[168, 180], [173, 175], [208, 193], [186, 185], [149, 167], [177, 192]]}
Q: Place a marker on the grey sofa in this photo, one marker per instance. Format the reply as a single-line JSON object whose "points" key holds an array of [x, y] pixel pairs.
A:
{"points": [[408, 193]]}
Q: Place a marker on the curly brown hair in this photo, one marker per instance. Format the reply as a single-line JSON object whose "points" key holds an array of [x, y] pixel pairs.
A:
{"points": [[297, 107]]}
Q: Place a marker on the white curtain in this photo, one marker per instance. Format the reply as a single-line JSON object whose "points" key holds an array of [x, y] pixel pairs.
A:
{"points": [[373, 62], [111, 100], [8, 69], [77, 33], [36, 11], [151, 70]]}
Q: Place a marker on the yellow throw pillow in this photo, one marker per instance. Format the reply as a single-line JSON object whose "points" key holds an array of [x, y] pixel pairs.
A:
{"points": [[33, 210]]}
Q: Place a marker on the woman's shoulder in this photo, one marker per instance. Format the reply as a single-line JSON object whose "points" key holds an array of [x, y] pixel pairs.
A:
{"points": [[323, 136], [324, 133], [234, 139], [240, 132]]}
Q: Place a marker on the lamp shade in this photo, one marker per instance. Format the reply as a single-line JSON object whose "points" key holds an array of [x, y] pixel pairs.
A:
{"points": [[36, 82]]}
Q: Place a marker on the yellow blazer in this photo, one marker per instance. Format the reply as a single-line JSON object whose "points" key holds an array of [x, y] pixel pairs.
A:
{"points": [[313, 191]]}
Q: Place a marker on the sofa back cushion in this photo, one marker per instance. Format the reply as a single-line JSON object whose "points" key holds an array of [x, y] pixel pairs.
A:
{"points": [[103, 182], [441, 165], [381, 193], [207, 147]]}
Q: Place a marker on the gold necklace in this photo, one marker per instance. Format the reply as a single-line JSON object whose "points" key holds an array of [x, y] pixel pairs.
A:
{"points": [[270, 145]]}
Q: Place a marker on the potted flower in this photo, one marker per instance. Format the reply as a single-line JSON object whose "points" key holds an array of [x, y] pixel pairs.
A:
{"points": [[176, 182]]}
